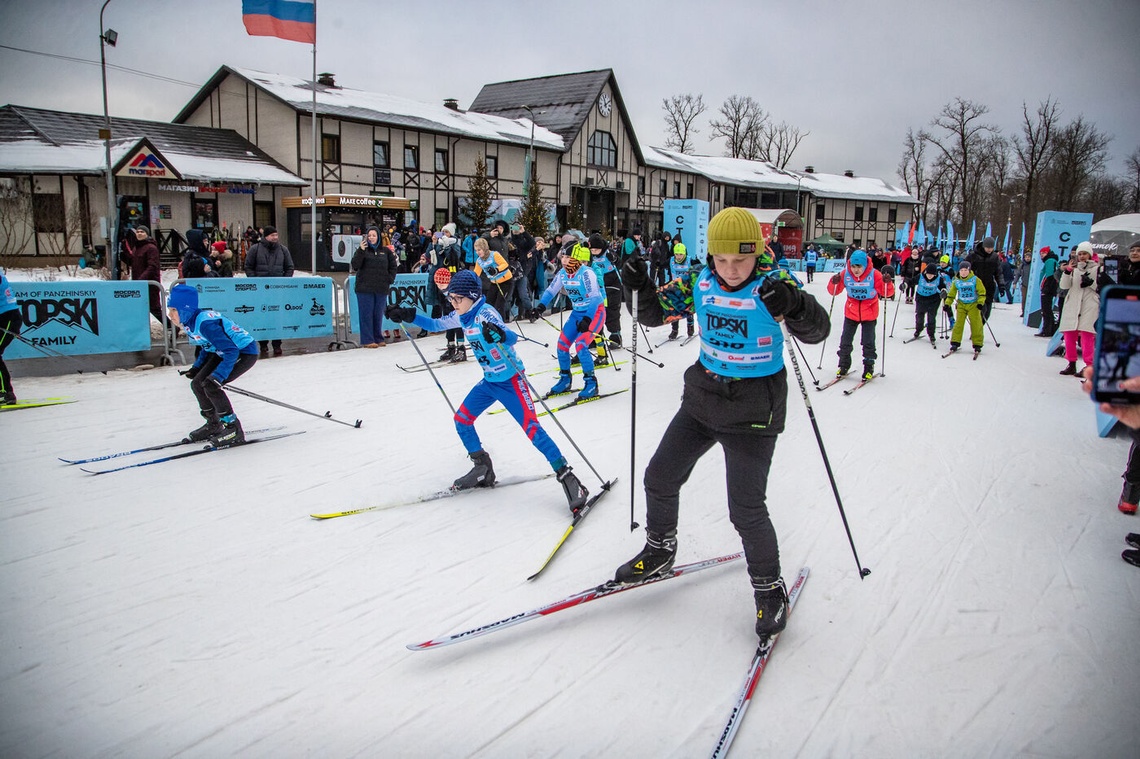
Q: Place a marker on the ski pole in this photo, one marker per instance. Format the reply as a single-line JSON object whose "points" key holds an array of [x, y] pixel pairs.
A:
{"points": [[428, 367], [893, 321], [633, 422], [883, 373], [823, 345], [45, 350], [327, 415], [531, 339], [814, 381], [646, 335], [553, 416], [641, 355], [863, 571], [991, 329]]}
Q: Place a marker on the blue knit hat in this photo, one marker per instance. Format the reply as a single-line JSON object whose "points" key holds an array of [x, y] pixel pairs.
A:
{"points": [[183, 299], [858, 258], [465, 283]]}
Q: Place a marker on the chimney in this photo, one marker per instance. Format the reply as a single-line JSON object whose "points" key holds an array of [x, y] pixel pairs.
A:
{"points": [[451, 103], [849, 173], [809, 169], [327, 79]]}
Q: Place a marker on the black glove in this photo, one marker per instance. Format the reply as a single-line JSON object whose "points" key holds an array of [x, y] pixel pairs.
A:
{"points": [[635, 273], [942, 292], [1086, 280], [583, 324], [780, 298], [192, 372], [535, 313], [836, 279], [493, 333], [400, 314]]}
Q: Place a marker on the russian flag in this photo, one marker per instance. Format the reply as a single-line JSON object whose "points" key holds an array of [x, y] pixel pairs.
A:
{"points": [[294, 20]]}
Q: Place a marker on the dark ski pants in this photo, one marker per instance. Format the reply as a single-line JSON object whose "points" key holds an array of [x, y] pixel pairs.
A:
{"points": [[747, 459], [926, 312], [810, 270], [847, 342], [10, 323], [1131, 491], [1048, 319], [212, 400]]}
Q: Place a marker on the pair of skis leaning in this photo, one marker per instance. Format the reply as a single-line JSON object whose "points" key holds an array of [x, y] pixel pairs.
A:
{"points": [[755, 669]]}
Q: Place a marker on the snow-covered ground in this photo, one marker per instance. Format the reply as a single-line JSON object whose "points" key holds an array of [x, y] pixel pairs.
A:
{"points": [[195, 609]]}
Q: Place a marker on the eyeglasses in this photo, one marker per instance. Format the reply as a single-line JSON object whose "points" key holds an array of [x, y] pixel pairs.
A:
{"points": [[455, 299]]}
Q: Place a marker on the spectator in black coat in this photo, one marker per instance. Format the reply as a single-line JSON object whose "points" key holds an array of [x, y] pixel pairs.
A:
{"points": [[984, 263], [269, 258], [196, 258], [375, 266]]}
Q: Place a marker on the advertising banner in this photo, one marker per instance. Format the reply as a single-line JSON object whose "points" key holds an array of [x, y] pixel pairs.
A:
{"points": [[1061, 232], [81, 317], [408, 290], [271, 308], [689, 220]]}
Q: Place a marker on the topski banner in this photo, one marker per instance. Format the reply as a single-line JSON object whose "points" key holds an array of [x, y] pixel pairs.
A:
{"points": [[77, 318]]}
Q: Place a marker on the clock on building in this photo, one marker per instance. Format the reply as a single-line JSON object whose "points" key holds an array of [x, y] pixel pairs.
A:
{"points": [[604, 104]]}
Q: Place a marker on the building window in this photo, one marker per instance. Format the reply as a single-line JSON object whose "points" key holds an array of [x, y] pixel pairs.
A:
{"points": [[858, 213], [716, 193], [380, 155], [411, 157], [492, 166], [769, 200], [641, 185], [873, 213], [204, 213], [440, 161], [688, 189], [47, 213], [662, 188], [330, 148], [892, 215], [440, 217], [819, 211], [601, 150], [677, 189]]}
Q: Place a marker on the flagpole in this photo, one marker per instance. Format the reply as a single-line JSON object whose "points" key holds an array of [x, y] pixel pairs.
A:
{"points": [[313, 224]]}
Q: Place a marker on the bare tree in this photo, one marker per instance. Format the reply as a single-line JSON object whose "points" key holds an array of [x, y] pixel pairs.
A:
{"points": [[680, 113], [742, 120], [1032, 147], [1079, 154], [962, 140], [926, 180], [15, 217], [775, 143], [1132, 163]]}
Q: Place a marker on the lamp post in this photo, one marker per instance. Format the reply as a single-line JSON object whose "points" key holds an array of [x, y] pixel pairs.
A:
{"points": [[1009, 216], [108, 37], [529, 153]]}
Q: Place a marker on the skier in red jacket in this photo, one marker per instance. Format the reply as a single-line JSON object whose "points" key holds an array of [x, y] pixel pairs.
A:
{"points": [[864, 286]]}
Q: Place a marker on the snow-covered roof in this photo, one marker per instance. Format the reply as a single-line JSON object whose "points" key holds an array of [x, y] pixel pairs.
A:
{"points": [[397, 111], [39, 141], [761, 175]]}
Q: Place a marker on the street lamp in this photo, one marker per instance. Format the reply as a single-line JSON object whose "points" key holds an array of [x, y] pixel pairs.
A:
{"points": [[108, 37], [529, 153], [1009, 217]]}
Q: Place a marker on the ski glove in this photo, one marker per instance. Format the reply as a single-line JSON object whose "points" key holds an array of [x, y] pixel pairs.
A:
{"points": [[535, 313], [779, 297], [635, 273], [191, 373], [493, 333], [400, 314], [583, 324], [836, 279]]}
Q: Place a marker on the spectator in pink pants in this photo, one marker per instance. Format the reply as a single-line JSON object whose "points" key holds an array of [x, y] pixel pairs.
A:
{"points": [[1082, 279]]}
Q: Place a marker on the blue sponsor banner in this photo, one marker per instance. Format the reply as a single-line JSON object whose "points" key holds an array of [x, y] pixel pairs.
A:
{"points": [[271, 308], [408, 290], [689, 219], [82, 317], [1061, 232]]}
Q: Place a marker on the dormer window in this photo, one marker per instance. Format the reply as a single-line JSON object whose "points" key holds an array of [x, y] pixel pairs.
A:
{"points": [[601, 150]]}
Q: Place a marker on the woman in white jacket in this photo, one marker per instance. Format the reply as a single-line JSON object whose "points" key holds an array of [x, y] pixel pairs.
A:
{"points": [[1082, 306]]}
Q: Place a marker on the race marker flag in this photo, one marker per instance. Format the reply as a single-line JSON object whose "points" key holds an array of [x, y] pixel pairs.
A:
{"points": [[294, 20]]}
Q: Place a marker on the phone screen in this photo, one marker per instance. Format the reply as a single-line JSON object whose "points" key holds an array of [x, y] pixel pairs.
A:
{"points": [[1117, 345]]}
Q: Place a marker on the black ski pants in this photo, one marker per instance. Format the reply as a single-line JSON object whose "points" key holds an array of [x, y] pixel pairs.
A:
{"points": [[1048, 319], [10, 323], [926, 312], [747, 459], [212, 400], [847, 342]]}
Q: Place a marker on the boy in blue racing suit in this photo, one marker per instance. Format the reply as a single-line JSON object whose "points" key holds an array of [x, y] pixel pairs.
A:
{"points": [[491, 341], [228, 352]]}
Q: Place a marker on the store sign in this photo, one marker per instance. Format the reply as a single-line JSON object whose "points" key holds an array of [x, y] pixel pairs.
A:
{"points": [[147, 164], [225, 189]]}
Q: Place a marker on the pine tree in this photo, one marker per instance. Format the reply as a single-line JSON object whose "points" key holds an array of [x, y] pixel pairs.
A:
{"points": [[478, 208], [575, 218], [535, 212]]}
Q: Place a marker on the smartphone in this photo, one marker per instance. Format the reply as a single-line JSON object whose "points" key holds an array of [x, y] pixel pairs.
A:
{"points": [[1117, 345]]}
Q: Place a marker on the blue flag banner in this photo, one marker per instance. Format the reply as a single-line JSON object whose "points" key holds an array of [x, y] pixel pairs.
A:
{"points": [[989, 231], [271, 308], [81, 317], [1060, 232], [970, 239]]}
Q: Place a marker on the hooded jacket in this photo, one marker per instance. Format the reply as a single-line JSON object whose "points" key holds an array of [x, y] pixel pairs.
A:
{"points": [[196, 259], [985, 265], [268, 259], [375, 265]]}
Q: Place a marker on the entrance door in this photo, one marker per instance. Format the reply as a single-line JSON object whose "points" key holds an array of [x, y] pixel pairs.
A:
{"points": [[600, 206]]}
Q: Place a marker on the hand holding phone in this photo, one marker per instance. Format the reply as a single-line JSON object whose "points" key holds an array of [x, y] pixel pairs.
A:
{"points": [[1117, 358]]}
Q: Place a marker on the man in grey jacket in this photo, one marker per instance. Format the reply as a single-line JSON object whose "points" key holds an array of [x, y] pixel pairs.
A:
{"points": [[269, 258]]}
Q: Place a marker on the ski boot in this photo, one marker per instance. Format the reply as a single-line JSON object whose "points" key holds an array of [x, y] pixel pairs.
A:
{"points": [[655, 560], [1129, 497], [482, 474], [1133, 539], [1132, 557], [230, 433], [917, 334], [868, 371], [576, 493], [933, 341], [615, 339], [447, 354], [688, 330], [212, 427], [7, 399], [591, 387], [771, 605], [954, 347], [842, 371], [977, 351], [460, 354], [562, 385], [1070, 370], [673, 333]]}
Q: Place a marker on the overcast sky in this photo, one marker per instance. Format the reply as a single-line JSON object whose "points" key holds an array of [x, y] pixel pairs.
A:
{"points": [[855, 75]]}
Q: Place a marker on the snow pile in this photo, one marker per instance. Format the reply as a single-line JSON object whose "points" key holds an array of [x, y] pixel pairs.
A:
{"points": [[194, 608]]}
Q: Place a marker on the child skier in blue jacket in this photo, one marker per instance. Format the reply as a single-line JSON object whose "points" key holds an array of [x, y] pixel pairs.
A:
{"points": [[228, 352], [491, 341]]}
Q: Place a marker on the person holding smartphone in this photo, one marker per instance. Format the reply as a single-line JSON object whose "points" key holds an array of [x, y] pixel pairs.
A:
{"points": [[1082, 306]]}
